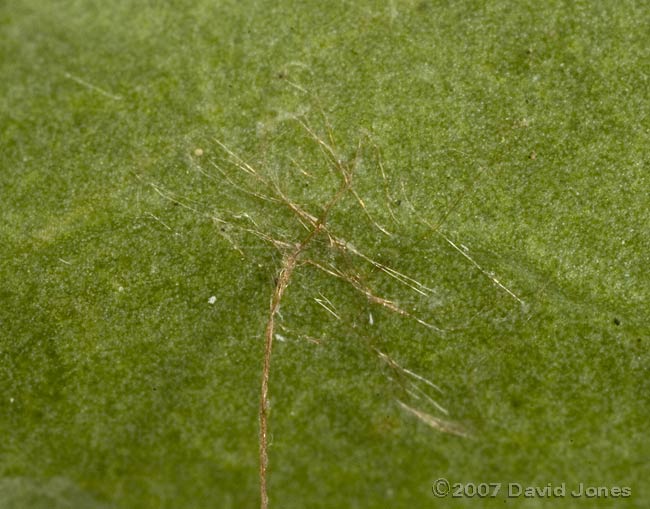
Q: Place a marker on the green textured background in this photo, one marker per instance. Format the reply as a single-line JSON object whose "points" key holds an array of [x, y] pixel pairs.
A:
{"points": [[524, 124]]}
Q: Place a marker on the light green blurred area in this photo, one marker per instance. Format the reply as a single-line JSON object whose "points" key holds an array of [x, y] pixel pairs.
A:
{"points": [[520, 128]]}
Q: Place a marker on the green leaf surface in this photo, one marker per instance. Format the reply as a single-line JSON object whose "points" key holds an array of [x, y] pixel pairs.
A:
{"points": [[503, 147]]}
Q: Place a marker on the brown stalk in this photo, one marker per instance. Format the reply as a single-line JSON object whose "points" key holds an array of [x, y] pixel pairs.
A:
{"points": [[289, 263]]}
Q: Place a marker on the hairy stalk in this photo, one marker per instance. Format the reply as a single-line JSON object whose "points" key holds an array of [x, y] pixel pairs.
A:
{"points": [[289, 263], [288, 266]]}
